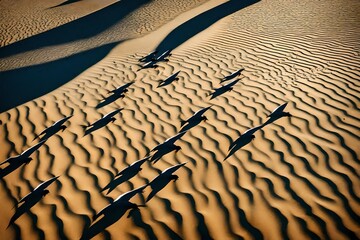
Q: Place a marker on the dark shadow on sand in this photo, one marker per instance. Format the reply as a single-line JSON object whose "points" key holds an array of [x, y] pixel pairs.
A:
{"points": [[95, 127], [65, 3], [10, 168], [118, 180], [110, 99], [199, 23], [223, 89], [24, 84], [219, 92], [25, 207], [82, 28], [155, 188], [190, 125], [162, 152], [105, 222], [165, 83], [271, 120]]}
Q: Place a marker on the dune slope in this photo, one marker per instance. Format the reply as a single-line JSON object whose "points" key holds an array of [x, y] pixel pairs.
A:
{"points": [[297, 179]]}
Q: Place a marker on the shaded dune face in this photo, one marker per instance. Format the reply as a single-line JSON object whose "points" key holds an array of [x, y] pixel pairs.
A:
{"points": [[55, 44], [296, 180]]}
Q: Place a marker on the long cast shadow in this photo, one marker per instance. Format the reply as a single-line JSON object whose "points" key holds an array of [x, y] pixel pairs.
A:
{"points": [[25, 207], [218, 92], [103, 223], [10, 168], [271, 120], [110, 99], [16, 162], [65, 3], [242, 141], [118, 180], [223, 89], [95, 127], [199, 23], [24, 84], [157, 188], [162, 152], [190, 125], [82, 28]]}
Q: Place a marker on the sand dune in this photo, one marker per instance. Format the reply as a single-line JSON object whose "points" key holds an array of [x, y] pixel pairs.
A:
{"points": [[64, 52], [28, 18], [296, 180]]}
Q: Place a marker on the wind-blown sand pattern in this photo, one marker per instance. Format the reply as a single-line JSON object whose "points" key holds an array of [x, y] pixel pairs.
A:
{"points": [[299, 177]]}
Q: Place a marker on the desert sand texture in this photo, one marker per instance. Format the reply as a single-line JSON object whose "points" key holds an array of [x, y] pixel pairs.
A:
{"points": [[250, 171]]}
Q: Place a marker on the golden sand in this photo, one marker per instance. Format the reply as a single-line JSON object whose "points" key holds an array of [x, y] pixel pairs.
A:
{"points": [[299, 177]]}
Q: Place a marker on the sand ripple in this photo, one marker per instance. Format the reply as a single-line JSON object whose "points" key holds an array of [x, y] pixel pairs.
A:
{"points": [[297, 180]]}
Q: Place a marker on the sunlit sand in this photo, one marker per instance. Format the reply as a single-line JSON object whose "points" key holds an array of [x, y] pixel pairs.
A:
{"points": [[284, 177]]}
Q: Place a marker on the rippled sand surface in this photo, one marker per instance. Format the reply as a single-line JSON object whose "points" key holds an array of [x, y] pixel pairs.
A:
{"points": [[297, 179]]}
